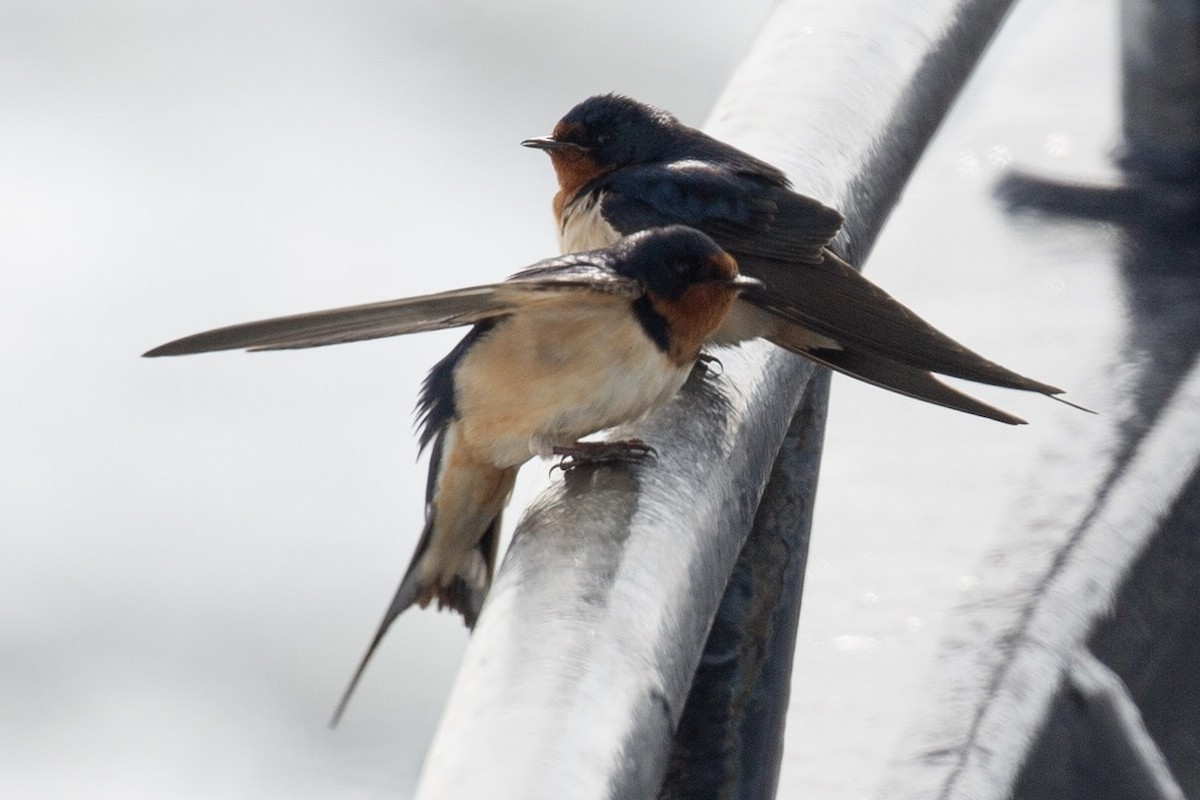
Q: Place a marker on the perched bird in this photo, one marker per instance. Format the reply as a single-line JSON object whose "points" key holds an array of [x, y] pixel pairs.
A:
{"points": [[562, 349], [624, 166]]}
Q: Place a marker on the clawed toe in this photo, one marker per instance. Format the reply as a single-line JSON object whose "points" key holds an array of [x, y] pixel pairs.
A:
{"points": [[587, 453]]}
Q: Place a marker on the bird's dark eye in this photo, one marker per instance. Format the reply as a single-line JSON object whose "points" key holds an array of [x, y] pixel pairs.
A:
{"points": [[603, 138]]}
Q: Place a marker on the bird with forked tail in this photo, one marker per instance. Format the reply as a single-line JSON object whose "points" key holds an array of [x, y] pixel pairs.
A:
{"points": [[623, 166], [563, 349]]}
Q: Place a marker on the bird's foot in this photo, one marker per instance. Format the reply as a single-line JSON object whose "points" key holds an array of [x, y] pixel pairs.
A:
{"points": [[588, 453]]}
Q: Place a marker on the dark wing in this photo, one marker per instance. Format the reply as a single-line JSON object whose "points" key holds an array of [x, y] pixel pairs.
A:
{"points": [[743, 213], [591, 270], [780, 237], [905, 380], [835, 300], [410, 315], [350, 324]]}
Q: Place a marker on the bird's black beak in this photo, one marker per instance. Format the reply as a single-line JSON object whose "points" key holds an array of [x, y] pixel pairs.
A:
{"points": [[743, 282], [549, 143]]}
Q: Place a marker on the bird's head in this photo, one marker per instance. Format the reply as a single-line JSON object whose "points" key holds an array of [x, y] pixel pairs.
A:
{"points": [[690, 285], [669, 261], [606, 132]]}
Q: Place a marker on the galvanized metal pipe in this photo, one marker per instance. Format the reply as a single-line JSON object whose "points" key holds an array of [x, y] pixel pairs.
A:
{"points": [[1160, 90], [1114, 719], [577, 673], [730, 739]]}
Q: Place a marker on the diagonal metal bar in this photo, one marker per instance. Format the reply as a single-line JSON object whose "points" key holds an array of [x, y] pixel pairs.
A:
{"points": [[1079, 588], [1114, 719], [577, 674], [730, 740]]}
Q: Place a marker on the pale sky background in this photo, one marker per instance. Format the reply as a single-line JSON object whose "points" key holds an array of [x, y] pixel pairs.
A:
{"points": [[195, 551]]}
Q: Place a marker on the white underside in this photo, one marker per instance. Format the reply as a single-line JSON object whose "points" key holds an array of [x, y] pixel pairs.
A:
{"points": [[583, 227], [577, 370]]}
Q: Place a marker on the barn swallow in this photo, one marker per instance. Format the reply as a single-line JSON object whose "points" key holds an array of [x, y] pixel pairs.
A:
{"points": [[623, 166], [563, 349]]}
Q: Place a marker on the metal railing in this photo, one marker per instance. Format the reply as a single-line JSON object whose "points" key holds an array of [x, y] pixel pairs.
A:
{"points": [[1075, 678], [585, 655]]}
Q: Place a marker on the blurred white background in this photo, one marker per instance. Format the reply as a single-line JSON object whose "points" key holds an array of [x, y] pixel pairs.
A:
{"points": [[195, 551]]}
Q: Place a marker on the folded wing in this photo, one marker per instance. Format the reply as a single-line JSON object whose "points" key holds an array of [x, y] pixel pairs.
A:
{"points": [[741, 212], [835, 300], [779, 237]]}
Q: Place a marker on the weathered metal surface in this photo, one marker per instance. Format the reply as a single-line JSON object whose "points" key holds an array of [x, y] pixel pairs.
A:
{"points": [[578, 670], [1099, 566], [1160, 49]]}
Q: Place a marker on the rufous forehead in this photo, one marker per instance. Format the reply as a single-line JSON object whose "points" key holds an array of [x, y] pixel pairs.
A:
{"points": [[564, 129], [724, 264]]}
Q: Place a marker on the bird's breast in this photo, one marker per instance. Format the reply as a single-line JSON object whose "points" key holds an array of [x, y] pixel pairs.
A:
{"points": [[554, 374], [582, 226]]}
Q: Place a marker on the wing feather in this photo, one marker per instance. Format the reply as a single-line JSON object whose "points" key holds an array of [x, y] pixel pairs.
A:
{"points": [[741, 211], [835, 300], [546, 280], [906, 380]]}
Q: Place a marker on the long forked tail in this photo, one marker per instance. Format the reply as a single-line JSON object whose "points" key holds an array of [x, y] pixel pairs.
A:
{"points": [[453, 564], [464, 593], [405, 596], [834, 300], [900, 378]]}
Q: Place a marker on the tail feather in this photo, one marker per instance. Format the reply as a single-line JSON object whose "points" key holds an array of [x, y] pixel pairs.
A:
{"points": [[465, 589], [407, 594], [900, 378], [464, 593], [834, 300]]}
